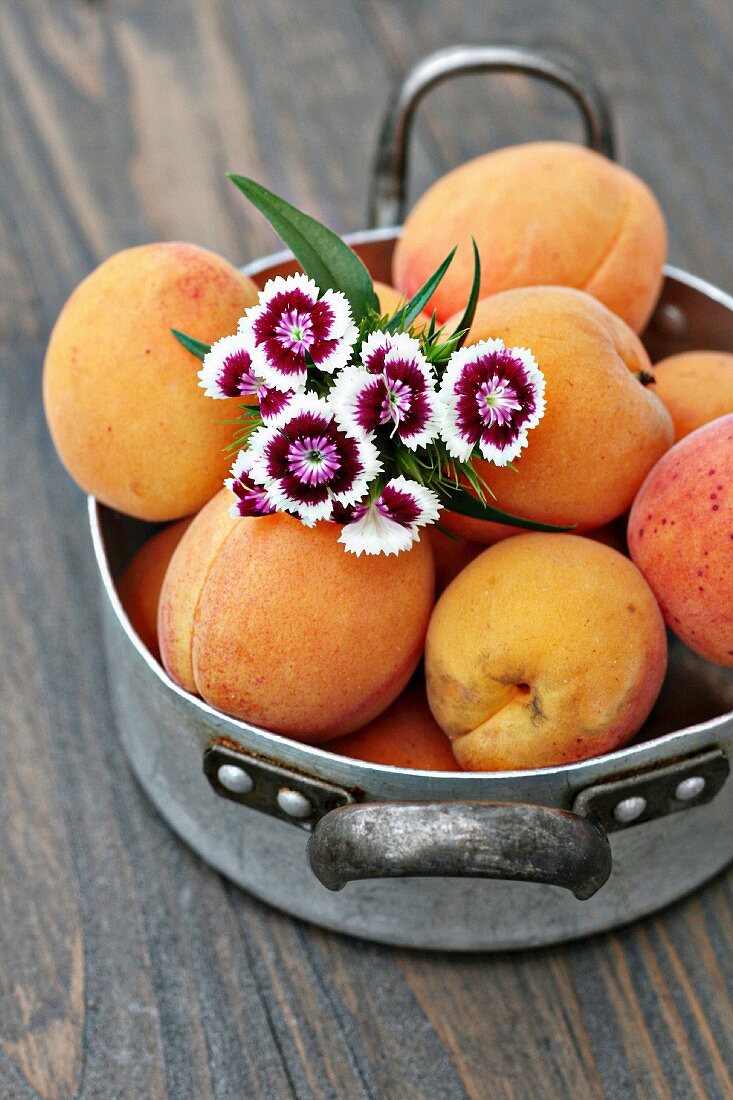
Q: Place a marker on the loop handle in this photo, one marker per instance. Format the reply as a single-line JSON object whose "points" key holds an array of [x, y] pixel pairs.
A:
{"points": [[387, 199], [460, 840]]}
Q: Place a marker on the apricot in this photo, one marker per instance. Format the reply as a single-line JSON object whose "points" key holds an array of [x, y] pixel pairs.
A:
{"points": [[405, 735], [276, 623], [546, 649], [696, 387], [681, 537], [140, 584], [602, 431], [541, 213], [183, 584], [122, 398]]}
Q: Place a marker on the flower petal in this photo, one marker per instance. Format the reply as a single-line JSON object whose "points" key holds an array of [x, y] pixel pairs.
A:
{"points": [[409, 503], [392, 522], [351, 403], [490, 397], [274, 405], [226, 370], [395, 387], [375, 533], [309, 461], [374, 351], [287, 285], [252, 499], [293, 327]]}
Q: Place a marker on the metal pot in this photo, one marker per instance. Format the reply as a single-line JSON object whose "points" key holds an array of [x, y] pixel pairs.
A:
{"points": [[457, 861]]}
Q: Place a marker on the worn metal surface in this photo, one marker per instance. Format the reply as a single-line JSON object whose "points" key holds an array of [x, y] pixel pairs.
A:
{"points": [[688, 309], [267, 786], [461, 840], [657, 792]]}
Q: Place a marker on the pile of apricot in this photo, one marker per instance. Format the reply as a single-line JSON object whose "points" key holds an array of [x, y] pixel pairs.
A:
{"points": [[542, 648]]}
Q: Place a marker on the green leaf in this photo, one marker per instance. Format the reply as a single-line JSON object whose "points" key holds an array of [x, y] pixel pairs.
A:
{"points": [[457, 500], [321, 252], [439, 354], [407, 315], [469, 312], [474, 481], [410, 464], [190, 343]]}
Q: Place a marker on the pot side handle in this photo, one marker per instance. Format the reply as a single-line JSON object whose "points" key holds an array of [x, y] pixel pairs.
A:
{"points": [[388, 191], [460, 840]]}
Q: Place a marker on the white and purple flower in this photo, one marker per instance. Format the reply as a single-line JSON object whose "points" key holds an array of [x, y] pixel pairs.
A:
{"points": [[293, 327], [310, 462], [227, 371], [394, 387], [392, 522], [491, 395], [252, 499]]}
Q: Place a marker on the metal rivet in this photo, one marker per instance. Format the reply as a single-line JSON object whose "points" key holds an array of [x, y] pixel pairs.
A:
{"points": [[671, 320], [629, 809], [689, 788], [235, 779], [293, 803]]}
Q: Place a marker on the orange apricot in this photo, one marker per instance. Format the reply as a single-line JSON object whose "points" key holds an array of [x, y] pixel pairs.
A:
{"points": [[546, 649], [405, 735], [696, 387], [183, 583], [541, 213], [275, 623], [681, 537], [122, 397], [602, 431], [140, 584]]}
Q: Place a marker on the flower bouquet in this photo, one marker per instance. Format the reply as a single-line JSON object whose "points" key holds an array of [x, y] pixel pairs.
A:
{"points": [[353, 416]]}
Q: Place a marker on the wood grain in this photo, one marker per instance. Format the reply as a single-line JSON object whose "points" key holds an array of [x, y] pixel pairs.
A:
{"points": [[127, 968]]}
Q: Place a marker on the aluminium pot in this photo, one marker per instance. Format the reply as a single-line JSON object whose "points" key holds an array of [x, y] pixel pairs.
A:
{"points": [[452, 861]]}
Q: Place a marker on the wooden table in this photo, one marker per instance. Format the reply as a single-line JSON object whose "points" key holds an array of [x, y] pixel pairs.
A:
{"points": [[127, 968]]}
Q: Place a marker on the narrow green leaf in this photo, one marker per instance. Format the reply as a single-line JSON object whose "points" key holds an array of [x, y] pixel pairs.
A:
{"points": [[469, 312], [190, 343], [473, 479], [439, 354], [321, 252], [461, 501], [411, 465], [479, 484], [421, 299]]}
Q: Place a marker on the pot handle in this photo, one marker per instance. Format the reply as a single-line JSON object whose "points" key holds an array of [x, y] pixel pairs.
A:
{"points": [[387, 198], [460, 839]]}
